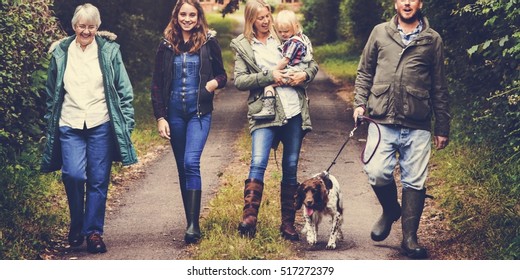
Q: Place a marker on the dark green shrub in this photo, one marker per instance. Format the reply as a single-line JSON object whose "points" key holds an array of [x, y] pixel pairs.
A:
{"points": [[26, 218], [321, 20], [482, 43], [357, 19]]}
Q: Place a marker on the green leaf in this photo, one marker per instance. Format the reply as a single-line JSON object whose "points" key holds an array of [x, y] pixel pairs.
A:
{"points": [[486, 44], [473, 50], [503, 40]]}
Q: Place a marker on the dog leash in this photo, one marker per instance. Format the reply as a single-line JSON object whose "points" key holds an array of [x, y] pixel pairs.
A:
{"points": [[359, 121]]}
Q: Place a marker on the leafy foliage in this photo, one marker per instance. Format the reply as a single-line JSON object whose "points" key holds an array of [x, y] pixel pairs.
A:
{"points": [[483, 42], [321, 20], [26, 30], [26, 219], [31, 207], [138, 25], [482, 51], [231, 6], [357, 19]]}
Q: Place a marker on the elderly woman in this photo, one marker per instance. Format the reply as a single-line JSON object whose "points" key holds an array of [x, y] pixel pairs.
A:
{"points": [[89, 120]]}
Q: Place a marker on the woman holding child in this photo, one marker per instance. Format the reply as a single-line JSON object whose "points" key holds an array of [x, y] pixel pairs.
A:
{"points": [[257, 54]]}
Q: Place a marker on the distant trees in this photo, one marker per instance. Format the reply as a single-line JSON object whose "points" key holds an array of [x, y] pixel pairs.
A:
{"points": [[137, 23], [321, 20], [357, 19]]}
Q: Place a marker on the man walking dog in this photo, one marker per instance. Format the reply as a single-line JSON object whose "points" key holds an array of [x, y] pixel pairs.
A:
{"points": [[402, 85]]}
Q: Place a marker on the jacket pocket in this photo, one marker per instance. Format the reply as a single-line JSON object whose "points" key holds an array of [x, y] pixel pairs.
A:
{"points": [[416, 105], [378, 100]]}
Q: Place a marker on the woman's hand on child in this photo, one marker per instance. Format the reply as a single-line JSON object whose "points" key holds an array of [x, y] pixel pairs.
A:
{"points": [[297, 78], [280, 77]]}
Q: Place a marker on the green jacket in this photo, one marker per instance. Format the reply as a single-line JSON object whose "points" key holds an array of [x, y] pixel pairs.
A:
{"points": [[248, 76], [404, 85], [118, 93]]}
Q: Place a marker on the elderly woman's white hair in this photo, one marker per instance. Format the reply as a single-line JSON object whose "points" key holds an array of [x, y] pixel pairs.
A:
{"points": [[86, 12]]}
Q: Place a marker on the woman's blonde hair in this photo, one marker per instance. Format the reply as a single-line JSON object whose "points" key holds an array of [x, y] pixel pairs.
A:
{"points": [[251, 13], [173, 32], [288, 18], [87, 12]]}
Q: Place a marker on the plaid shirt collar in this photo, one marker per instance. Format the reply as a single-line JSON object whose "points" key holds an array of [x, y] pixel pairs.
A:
{"points": [[407, 38]]}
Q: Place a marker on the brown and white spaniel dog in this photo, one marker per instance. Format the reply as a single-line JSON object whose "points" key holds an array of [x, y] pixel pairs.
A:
{"points": [[320, 196]]}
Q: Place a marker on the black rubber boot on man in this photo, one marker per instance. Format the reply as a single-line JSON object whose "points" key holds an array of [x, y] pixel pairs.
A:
{"points": [[413, 204], [387, 196]]}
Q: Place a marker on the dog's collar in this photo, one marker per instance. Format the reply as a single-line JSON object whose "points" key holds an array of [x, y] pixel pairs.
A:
{"points": [[326, 183]]}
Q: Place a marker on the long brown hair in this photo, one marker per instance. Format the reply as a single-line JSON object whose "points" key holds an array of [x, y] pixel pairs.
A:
{"points": [[173, 32]]}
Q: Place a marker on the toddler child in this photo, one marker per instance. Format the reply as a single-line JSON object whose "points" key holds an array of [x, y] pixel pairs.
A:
{"points": [[296, 55]]}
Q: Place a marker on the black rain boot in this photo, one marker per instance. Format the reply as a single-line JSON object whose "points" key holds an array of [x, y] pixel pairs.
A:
{"points": [[413, 204], [387, 196], [193, 230], [287, 229]]}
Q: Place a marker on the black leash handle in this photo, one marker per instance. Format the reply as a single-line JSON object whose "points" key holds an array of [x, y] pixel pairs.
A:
{"points": [[359, 121]]}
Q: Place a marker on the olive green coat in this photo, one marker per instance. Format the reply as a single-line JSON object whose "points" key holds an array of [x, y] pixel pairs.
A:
{"points": [[404, 85], [248, 76]]}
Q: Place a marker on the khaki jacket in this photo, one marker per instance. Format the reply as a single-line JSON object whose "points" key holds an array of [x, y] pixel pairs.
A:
{"points": [[404, 85], [248, 76]]}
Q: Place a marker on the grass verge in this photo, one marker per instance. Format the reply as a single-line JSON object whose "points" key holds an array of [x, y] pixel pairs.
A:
{"points": [[338, 60], [479, 199], [221, 240]]}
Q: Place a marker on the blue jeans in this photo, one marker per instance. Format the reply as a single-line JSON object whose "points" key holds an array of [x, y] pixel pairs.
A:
{"points": [[410, 148], [188, 138], [291, 135], [87, 159]]}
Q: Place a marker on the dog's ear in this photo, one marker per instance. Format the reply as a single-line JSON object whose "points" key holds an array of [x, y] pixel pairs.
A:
{"points": [[299, 196], [326, 179], [323, 196]]}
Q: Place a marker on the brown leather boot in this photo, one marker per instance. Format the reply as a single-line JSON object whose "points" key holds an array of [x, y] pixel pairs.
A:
{"points": [[287, 228], [252, 198]]}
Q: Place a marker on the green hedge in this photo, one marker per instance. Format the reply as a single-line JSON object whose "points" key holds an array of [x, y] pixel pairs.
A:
{"points": [[479, 181], [26, 215]]}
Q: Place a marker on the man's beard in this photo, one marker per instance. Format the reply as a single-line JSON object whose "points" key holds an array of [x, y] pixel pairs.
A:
{"points": [[412, 19]]}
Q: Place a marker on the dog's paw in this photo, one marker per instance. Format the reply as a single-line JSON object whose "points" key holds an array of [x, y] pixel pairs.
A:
{"points": [[331, 246], [311, 239]]}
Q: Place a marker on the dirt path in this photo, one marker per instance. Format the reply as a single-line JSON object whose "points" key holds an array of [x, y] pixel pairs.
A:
{"points": [[149, 221], [332, 122]]}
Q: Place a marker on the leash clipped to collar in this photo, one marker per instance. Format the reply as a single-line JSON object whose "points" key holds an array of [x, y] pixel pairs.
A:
{"points": [[359, 121]]}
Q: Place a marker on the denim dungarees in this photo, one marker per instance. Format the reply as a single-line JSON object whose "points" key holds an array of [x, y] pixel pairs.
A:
{"points": [[188, 130]]}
